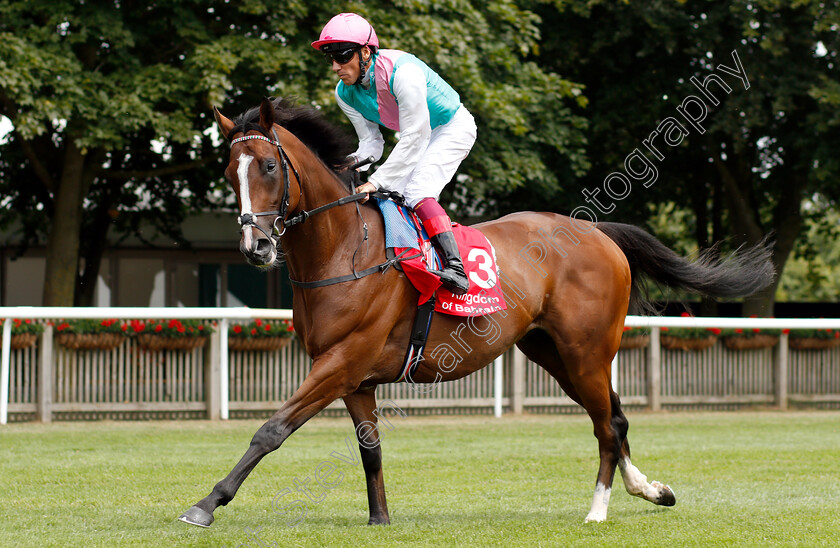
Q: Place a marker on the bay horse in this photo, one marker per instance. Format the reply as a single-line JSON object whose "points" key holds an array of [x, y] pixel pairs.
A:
{"points": [[567, 282]]}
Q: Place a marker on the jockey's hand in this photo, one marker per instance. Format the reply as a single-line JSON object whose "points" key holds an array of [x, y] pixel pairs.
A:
{"points": [[365, 189]]}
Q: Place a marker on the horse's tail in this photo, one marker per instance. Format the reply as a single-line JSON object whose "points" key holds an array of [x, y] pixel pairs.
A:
{"points": [[743, 273]]}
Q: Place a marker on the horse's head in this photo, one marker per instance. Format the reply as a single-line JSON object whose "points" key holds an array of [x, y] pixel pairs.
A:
{"points": [[263, 179]]}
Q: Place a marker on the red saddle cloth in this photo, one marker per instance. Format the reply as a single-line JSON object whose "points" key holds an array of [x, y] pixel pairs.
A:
{"points": [[485, 294]]}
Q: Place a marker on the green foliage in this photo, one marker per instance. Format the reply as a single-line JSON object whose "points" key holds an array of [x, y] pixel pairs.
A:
{"points": [[749, 333], [173, 329], [27, 326], [112, 325], [764, 149], [690, 332], [814, 334], [260, 329], [813, 271]]}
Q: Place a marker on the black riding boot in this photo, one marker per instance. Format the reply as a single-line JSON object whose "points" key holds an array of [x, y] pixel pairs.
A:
{"points": [[453, 276]]}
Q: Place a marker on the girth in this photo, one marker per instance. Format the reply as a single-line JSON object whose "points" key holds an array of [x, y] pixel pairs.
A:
{"points": [[356, 275]]}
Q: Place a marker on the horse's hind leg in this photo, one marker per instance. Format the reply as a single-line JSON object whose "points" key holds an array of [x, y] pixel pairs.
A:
{"points": [[362, 407], [591, 389]]}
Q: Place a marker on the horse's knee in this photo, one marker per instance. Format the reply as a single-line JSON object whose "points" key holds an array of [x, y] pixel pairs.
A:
{"points": [[269, 437]]}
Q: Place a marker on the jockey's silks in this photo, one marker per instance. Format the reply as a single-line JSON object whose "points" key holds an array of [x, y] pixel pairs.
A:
{"points": [[378, 103]]}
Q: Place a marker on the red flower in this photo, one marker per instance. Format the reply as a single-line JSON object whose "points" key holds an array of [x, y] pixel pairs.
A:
{"points": [[756, 330], [627, 328], [258, 322], [786, 331], [685, 315], [180, 328], [254, 331], [663, 329], [267, 327], [715, 330], [237, 329], [837, 334], [201, 327], [63, 326], [124, 327], [738, 330], [158, 328]]}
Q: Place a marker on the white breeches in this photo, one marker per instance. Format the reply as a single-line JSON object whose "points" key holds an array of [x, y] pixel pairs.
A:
{"points": [[448, 146]]}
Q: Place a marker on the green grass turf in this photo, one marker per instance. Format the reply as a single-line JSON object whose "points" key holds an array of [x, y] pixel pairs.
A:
{"points": [[745, 479]]}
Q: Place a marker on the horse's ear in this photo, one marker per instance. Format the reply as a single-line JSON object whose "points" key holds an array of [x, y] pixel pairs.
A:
{"points": [[225, 124], [267, 113]]}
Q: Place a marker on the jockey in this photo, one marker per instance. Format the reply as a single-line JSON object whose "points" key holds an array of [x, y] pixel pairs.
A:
{"points": [[397, 90]]}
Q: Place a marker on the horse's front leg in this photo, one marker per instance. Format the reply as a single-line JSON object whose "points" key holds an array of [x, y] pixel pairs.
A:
{"points": [[327, 381], [362, 406]]}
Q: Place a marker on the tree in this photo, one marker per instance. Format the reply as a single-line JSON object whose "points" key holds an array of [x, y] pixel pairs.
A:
{"points": [[764, 149], [88, 87], [110, 105]]}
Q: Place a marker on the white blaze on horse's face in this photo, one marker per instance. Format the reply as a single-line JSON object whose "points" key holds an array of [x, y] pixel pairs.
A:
{"points": [[244, 194]]}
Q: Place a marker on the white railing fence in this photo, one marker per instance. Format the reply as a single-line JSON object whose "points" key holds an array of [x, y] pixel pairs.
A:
{"points": [[213, 381], [217, 396]]}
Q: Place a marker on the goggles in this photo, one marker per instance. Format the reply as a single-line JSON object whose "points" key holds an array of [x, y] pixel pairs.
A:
{"points": [[341, 57]]}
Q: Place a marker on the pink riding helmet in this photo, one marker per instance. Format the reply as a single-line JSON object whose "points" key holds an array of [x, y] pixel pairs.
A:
{"points": [[347, 27]]}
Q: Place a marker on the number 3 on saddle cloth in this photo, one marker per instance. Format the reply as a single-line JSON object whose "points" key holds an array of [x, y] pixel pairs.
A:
{"points": [[404, 232]]}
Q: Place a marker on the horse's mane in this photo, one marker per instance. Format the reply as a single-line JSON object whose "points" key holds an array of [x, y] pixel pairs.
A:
{"points": [[329, 142]]}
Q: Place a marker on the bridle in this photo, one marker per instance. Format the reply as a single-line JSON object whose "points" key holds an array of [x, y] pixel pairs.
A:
{"points": [[249, 219]]}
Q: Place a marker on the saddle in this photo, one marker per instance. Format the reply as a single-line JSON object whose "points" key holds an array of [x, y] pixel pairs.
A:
{"points": [[404, 235], [408, 248]]}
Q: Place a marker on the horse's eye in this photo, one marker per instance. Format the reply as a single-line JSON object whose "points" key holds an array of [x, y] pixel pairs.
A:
{"points": [[270, 166]]}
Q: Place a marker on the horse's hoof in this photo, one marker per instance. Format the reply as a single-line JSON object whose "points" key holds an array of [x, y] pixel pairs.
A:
{"points": [[595, 517], [666, 494], [379, 521], [197, 516]]}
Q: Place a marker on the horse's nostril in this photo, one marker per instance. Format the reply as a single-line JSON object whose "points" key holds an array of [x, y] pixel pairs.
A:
{"points": [[263, 247], [259, 253]]}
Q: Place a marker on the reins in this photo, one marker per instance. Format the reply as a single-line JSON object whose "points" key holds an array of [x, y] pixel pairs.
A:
{"points": [[249, 219]]}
